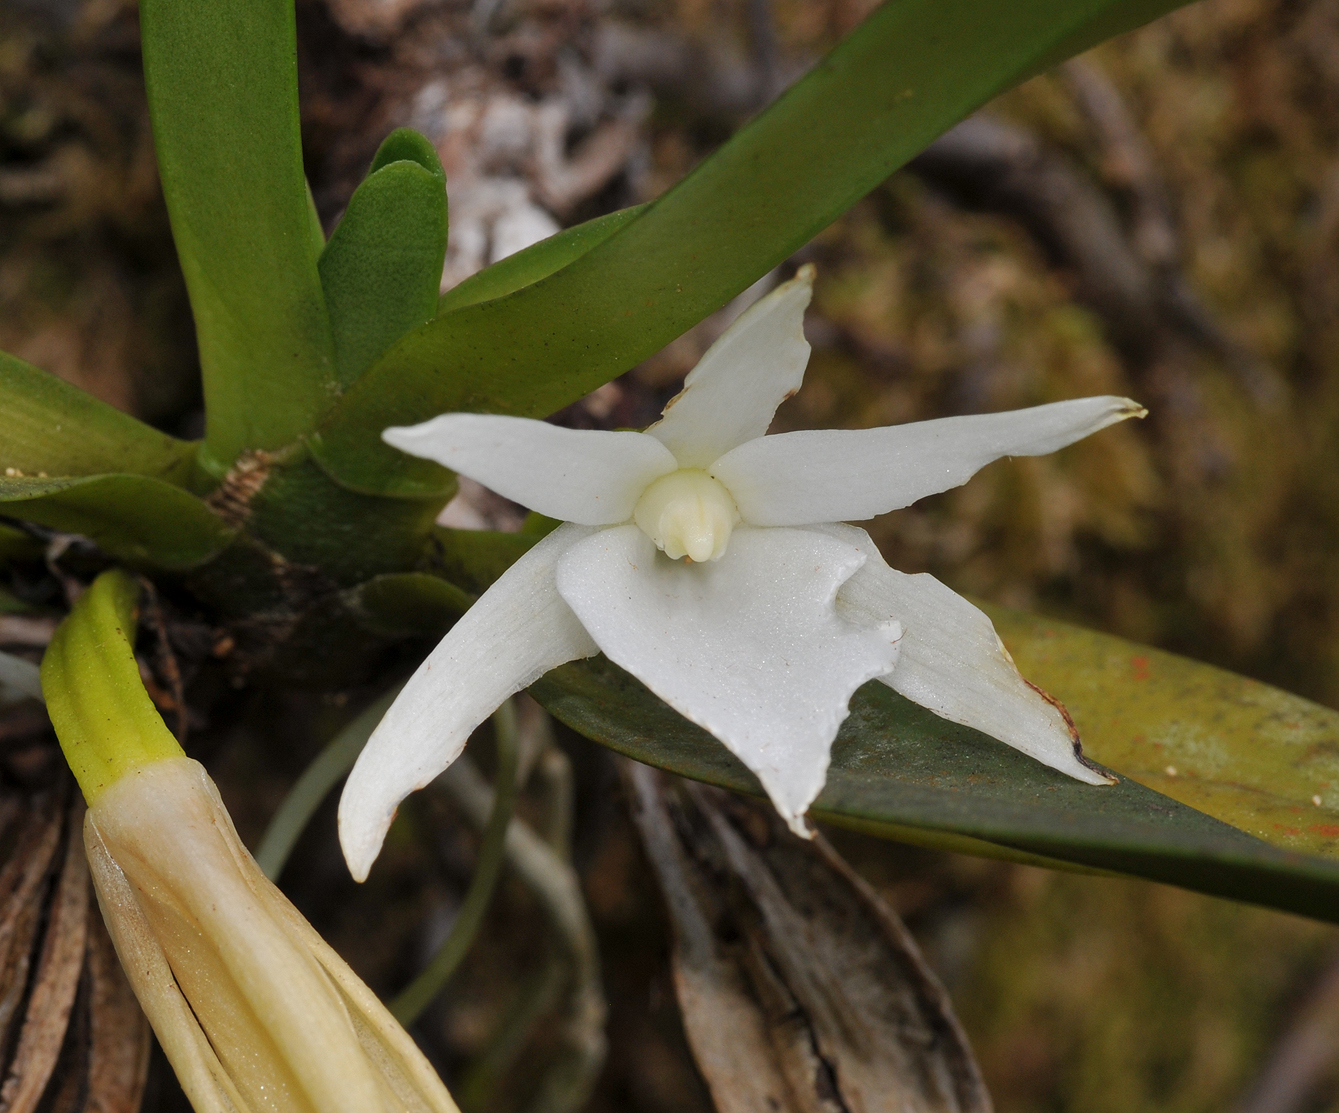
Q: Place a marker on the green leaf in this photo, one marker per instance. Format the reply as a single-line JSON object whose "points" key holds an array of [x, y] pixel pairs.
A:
{"points": [[475, 558], [17, 545], [134, 518], [537, 261], [401, 603], [50, 426], [407, 145], [222, 85], [1247, 753], [383, 265], [908, 73], [900, 771]]}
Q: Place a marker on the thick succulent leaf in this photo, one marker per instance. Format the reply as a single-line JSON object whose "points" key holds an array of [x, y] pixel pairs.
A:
{"points": [[222, 85], [900, 771], [908, 73], [1250, 754], [537, 261], [54, 428], [406, 603], [407, 145], [134, 518], [383, 264], [475, 558]]}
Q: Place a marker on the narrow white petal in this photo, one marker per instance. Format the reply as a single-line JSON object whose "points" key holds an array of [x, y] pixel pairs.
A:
{"points": [[828, 475], [749, 647], [953, 662], [731, 395], [518, 630], [578, 475]]}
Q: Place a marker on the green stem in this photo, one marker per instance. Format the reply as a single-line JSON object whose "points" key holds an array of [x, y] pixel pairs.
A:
{"points": [[420, 992], [106, 723], [316, 781]]}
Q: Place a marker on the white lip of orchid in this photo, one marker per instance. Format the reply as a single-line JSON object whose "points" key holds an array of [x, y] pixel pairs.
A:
{"points": [[763, 635], [688, 513]]}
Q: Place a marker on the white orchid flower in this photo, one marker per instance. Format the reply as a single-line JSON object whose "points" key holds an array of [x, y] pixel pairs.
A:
{"points": [[703, 557]]}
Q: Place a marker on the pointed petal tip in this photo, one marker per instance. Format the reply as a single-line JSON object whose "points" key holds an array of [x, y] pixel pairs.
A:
{"points": [[799, 825], [361, 835], [408, 439], [1093, 773], [1130, 408], [806, 274]]}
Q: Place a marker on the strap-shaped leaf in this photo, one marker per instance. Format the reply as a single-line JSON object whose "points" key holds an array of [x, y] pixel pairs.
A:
{"points": [[54, 428], [134, 518], [383, 265], [907, 74], [1252, 755], [537, 261], [222, 85], [1242, 751]]}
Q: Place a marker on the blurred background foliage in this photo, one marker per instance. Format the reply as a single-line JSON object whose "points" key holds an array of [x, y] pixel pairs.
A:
{"points": [[1159, 218]]}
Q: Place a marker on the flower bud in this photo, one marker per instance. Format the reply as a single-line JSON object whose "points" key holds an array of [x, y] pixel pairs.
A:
{"points": [[255, 1012]]}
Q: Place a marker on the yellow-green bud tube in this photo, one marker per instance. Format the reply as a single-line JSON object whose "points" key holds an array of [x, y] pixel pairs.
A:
{"points": [[106, 723]]}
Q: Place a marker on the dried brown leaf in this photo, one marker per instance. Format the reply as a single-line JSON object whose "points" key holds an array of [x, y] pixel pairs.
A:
{"points": [[118, 1057], [23, 883], [71, 1032], [56, 982], [801, 991]]}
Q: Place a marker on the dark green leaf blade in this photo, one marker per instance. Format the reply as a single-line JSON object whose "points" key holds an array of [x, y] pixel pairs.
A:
{"points": [[222, 85], [381, 269], [53, 427], [901, 771], [908, 73], [134, 518], [398, 604]]}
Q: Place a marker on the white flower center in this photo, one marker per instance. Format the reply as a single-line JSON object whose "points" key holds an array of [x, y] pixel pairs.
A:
{"points": [[687, 513]]}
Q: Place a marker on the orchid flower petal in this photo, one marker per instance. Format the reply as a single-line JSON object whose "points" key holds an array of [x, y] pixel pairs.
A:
{"points": [[748, 647], [579, 475], [731, 395], [518, 630], [826, 475], [954, 663]]}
